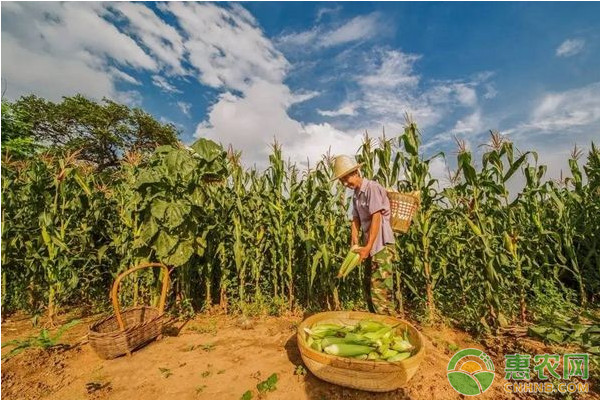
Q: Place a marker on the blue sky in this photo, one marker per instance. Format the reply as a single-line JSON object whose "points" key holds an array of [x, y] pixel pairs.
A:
{"points": [[316, 76]]}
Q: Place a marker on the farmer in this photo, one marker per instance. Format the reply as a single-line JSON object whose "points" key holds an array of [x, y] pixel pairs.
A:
{"points": [[371, 213]]}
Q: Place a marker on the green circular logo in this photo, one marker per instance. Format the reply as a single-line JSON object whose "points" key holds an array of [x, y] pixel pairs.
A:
{"points": [[470, 372]]}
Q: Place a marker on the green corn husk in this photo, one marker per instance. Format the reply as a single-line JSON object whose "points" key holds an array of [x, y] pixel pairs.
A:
{"points": [[401, 345], [367, 340], [382, 347], [350, 262], [329, 340], [370, 326], [347, 350], [321, 333], [399, 357], [389, 353], [316, 345], [357, 339], [378, 334]]}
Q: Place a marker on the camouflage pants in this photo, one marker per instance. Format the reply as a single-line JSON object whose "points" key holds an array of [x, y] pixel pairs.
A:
{"points": [[381, 284]]}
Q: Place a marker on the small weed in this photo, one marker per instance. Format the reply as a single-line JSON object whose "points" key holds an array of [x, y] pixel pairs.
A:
{"points": [[209, 327], [189, 347], [247, 395], [268, 385], [44, 340], [206, 374], [453, 347], [300, 370], [221, 371], [207, 347], [166, 372]]}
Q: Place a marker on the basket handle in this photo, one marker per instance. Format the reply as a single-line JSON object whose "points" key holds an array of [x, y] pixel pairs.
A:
{"points": [[115, 289]]}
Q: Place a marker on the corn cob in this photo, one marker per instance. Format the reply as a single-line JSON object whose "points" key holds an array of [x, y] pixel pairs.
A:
{"points": [[347, 350], [350, 262], [401, 345], [370, 326]]}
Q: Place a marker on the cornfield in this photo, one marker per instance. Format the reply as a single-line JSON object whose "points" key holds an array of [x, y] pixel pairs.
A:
{"points": [[272, 240]]}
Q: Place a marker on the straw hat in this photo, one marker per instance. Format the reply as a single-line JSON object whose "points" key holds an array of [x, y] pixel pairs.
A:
{"points": [[343, 165]]}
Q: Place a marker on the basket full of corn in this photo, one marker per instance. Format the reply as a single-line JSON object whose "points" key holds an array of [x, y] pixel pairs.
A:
{"points": [[360, 350]]}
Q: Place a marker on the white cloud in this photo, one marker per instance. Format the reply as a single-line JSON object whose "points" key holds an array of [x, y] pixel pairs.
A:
{"points": [[226, 46], [49, 76], [390, 86], [163, 40], [345, 109], [164, 85], [490, 91], [391, 69], [570, 109], [570, 47], [327, 10], [302, 96], [360, 28], [315, 140], [61, 49], [251, 122], [184, 107], [300, 39], [120, 75]]}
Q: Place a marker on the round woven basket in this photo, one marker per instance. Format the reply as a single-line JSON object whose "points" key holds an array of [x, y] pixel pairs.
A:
{"points": [[125, 331], [109, 341], [372, 376]]}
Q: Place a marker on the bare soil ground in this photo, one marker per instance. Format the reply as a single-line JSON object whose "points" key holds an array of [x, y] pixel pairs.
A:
{"points": [[220, 357]]}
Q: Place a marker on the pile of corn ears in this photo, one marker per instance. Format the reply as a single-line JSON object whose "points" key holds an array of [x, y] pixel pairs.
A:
{"points": [[367, 340]]}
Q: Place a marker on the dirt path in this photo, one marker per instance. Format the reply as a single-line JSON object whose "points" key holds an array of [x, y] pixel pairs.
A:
{"points": [[213, 357]]}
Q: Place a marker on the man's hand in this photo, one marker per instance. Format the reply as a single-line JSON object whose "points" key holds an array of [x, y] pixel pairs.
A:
{"points": [[362, 251]]}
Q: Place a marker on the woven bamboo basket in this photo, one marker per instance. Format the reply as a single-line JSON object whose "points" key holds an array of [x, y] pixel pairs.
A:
{"points": [[372, 376], [403, 207], [125, 331]]}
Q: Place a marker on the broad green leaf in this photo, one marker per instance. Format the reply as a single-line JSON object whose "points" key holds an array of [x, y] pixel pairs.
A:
{"points": [[182, 253], [164, 243], [149, 230]]}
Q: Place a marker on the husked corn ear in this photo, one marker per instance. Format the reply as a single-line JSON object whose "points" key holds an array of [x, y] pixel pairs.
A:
{"points": [[388, 354], [378, 334], [347, 350], [370, 326], [357, 338], [401, 345], [334, 340], [349, 263]]}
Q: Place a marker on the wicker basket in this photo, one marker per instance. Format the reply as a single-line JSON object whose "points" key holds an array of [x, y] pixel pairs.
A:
{"points": [[372, 376], [131, 329], [403, 208]]}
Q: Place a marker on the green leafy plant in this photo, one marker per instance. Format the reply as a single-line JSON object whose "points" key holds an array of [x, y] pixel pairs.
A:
{"points": [[268, 385], [44, 340]]}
